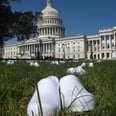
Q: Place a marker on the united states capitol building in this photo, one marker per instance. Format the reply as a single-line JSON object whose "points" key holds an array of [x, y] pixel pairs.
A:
{"points": [[52, 43]]}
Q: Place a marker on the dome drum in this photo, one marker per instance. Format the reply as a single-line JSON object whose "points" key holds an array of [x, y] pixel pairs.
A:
{"points": [[57, 31]]}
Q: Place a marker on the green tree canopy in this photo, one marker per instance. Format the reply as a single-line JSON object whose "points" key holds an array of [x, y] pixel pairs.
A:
{"points": [[20, 24], [23, 25], [5, 22]]}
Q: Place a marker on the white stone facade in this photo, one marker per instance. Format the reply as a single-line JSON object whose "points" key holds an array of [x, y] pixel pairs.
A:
{"points": [[51, 41], [10, 51], [103, 45], [71, 47]]}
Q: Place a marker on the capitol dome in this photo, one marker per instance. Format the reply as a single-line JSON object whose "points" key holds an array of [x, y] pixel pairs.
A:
{"points": [[49, 23], [50, 11]]}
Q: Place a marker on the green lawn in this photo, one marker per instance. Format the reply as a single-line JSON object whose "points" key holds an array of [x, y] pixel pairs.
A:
{"points": [[18, 82]]}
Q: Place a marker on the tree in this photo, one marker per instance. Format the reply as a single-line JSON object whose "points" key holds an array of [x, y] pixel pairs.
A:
{"points": [[23, 25], [5, 23], [14, 24]]}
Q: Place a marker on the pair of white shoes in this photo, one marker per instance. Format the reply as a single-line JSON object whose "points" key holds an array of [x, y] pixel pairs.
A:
{"points": [[56, 95]]}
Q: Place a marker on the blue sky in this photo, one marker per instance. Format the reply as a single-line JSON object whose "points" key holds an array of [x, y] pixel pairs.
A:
{"points": [[79, 16]]}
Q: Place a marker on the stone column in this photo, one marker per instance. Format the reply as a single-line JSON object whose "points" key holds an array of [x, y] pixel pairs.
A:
{"points": [[56, 30], [44, 31], [40, 31], [115, 41], [93, 45], [89, 46], [50, 48], [110, 42], [46, 48], [105, 42], [27, 47], [96, 45], [43, 48], [48, 30], [30, 48], [51, 30], [19, 49], [33, 48], [24, 47], [100, 44], [38, 47]]}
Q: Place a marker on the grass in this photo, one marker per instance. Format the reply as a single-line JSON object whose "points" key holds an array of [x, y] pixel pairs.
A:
{"points": [[18, 82]]}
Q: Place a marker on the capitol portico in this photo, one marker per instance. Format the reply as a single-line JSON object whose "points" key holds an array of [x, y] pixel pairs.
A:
{"points": [[51, 41]]}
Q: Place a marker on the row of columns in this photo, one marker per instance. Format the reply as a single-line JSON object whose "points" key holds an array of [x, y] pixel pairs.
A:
{"points": [[46, 49], [52, 21], [31, 48], [104, 55], [94, 45], [51, 31], [102, 43], [112, 41]]}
